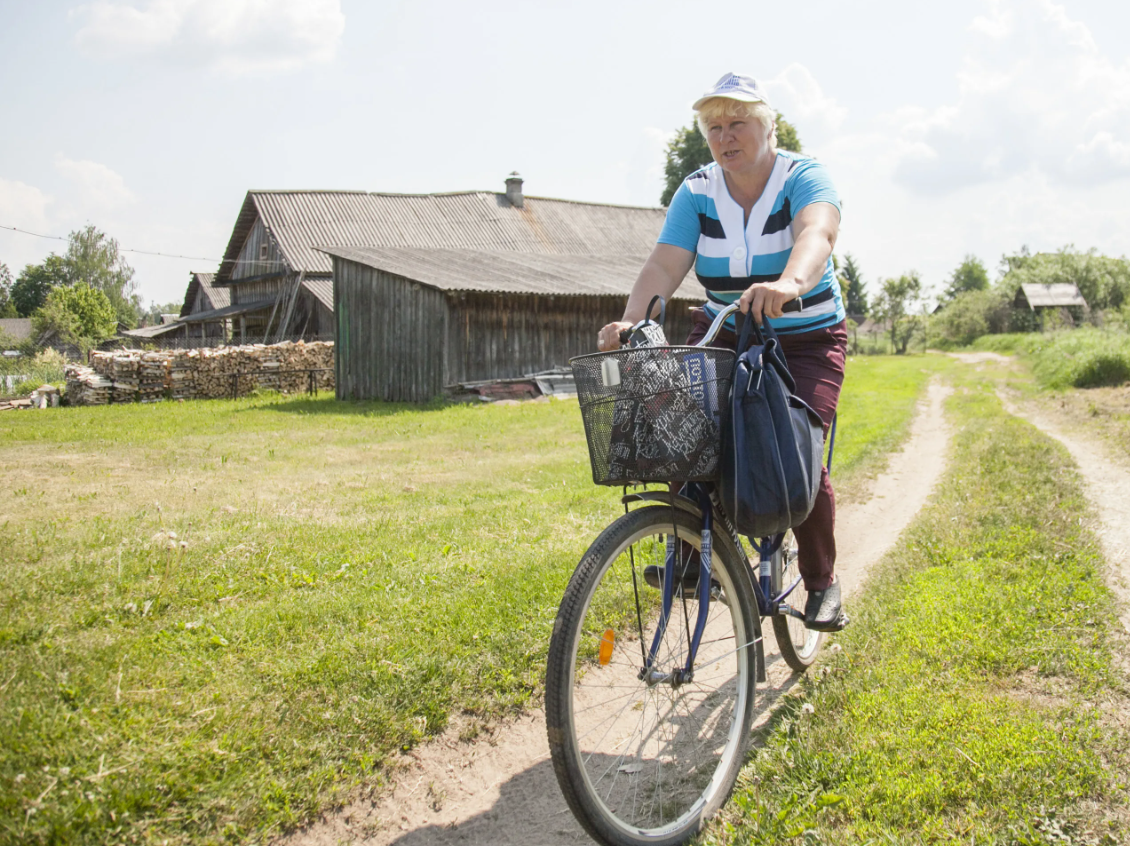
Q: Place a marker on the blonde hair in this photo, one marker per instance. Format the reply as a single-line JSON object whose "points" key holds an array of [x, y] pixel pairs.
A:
{"points": [[726, 107]]}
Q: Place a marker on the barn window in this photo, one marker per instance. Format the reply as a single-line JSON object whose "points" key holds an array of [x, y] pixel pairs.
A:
{"points": [[263, 251]]}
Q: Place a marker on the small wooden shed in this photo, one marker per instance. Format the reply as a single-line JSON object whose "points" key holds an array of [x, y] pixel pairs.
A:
{"points": [[1050, 295], [410, 321]]}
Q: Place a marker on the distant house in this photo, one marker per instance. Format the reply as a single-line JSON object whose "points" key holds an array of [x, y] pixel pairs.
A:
{"points": [[411, 321]]}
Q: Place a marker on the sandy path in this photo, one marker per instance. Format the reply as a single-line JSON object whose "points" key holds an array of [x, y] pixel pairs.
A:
{"points": [[500, 790], [1106, 481]]}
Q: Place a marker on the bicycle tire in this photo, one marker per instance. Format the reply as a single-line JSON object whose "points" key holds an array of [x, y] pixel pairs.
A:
{"points": [[797, 644], [642, 764]]}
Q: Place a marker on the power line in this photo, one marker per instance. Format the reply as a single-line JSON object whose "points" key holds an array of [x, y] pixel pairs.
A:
{"points": [[150, 252], [120, 249]]}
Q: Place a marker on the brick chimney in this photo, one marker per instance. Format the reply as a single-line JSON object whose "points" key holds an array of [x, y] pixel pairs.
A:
{"points": [[514, 189]]}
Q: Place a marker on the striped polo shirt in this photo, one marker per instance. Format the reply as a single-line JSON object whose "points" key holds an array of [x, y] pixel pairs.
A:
{"points": [[704, 219]]}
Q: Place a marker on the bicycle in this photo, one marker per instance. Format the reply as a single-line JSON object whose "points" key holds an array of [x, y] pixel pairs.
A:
{"points": [[650, 692]]}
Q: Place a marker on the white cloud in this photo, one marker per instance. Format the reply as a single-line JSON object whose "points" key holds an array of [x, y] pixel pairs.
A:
{"points": [[799, 97], [1036, 95], [24, 206], [234, 36], [99, 187]]}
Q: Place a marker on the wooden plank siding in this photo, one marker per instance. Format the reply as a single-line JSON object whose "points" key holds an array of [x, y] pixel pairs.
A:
{"points": [[389, 336], [401, 341]]}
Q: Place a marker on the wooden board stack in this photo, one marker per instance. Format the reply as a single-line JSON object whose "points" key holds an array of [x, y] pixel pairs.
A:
{"points": [[182, 374]]}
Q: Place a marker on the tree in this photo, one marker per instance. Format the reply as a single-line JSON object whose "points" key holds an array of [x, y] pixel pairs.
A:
{"points": [[970, 315], [78, 314], [969, 276], [152, 316], [1103, 281], [688, 151], [7, 307], [851, 284], [93, 259], [893, 306], [29, 292]]}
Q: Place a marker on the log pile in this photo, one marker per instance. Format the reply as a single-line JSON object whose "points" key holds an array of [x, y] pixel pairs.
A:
{"points": [[208, 373], [87, 387]]}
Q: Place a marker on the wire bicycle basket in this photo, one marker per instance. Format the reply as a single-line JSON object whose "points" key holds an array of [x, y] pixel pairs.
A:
{"points": [[654, 413]]}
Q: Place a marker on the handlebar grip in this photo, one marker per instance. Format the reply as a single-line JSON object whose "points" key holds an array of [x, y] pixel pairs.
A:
{"points": [[625, 334]]}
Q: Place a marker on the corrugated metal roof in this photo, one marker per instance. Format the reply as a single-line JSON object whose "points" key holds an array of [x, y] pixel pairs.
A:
{"points": [[153, 331], [322, 288], [511, 272], [300, 221], [228, 311], [219, 297], [1055, 295], [18, 328]]}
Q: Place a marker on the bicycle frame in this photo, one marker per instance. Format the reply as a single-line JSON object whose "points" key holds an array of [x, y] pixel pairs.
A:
{"points": [[711, 511]]}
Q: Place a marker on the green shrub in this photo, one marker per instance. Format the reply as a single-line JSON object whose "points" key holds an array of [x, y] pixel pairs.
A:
{"points": [[1082, 358], [969, 316]]}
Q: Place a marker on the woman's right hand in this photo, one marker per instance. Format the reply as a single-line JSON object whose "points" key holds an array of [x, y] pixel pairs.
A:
{"points": [[608, 338]]}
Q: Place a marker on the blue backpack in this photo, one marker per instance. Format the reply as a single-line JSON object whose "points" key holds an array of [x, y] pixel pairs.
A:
{"points": [[772, 442]]}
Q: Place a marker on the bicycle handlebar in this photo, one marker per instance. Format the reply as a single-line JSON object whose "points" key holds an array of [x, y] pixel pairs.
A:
{"points": [[711, 333]]}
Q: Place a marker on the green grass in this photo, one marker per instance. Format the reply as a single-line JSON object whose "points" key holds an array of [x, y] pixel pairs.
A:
{"points": [[964, 705], [344, 577], [1076, 358]]}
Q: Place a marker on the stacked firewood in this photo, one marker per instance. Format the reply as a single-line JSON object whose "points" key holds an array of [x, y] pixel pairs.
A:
{"points": [[87, 387], [152, 376], [212, 373]]}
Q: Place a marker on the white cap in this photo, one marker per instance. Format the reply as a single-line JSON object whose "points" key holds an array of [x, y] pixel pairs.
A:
{"points": [[735, 87]]}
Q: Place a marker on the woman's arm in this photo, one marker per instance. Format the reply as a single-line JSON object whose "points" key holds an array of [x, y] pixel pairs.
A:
{"points": [[814, 236], [661, 274]]}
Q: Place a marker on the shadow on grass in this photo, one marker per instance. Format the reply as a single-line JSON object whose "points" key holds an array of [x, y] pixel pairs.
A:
{"points": [[327, 405]]}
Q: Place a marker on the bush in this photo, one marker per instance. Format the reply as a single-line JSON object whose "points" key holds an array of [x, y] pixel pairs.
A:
{"points": [[45, 368], [969, 316], [1083, 358]]}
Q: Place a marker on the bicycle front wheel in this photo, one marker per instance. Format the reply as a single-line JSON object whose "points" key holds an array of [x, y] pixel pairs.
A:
{"points": [[646, 758], [798, 644]]}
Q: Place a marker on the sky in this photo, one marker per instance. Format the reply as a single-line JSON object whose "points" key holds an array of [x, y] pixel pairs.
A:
{"points": [[968, 127]]}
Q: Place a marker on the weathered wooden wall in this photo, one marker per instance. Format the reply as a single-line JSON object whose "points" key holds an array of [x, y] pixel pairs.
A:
{"points": [[497, 335], [401, 341], [388, 336], [249, 263]]}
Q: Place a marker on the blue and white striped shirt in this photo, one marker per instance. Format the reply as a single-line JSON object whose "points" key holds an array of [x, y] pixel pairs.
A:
{"points": [[731, 254]]}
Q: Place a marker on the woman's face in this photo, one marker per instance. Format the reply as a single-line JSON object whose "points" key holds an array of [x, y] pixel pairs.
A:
{"points": [[737, 143]]}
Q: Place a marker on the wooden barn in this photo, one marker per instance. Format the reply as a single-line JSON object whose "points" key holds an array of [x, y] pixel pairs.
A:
{"points": [[411, 321], [272, 261]]}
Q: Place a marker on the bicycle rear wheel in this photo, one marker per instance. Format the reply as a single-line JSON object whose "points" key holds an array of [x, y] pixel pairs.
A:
{"points": [[798, 645], [649, 761]]}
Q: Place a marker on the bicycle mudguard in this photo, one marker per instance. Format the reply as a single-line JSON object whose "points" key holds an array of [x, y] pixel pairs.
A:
{"points": [[681, 502], [691, 507]]}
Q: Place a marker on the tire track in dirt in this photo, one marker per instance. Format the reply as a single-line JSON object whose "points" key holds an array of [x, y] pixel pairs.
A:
{"points": [[501, 790], [1106, 482]]}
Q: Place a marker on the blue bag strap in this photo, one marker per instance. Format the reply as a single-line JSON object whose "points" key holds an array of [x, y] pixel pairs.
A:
{"points": [[766, 335]]}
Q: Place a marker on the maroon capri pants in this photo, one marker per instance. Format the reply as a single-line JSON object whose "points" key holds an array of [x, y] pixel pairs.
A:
{"points": [[816, 361]]}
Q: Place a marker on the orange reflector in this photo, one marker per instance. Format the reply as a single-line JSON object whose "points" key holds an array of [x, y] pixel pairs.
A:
{"points": [[606, 644]]}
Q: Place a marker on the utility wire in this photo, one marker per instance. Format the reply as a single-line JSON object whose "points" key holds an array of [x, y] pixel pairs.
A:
{"points": [[147, 252]]}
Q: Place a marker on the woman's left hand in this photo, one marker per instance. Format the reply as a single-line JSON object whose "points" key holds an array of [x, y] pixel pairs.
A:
{"points": [[768, 299]]}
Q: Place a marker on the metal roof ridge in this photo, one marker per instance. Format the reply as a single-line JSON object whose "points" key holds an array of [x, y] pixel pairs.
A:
{"points": [[445, 194]]}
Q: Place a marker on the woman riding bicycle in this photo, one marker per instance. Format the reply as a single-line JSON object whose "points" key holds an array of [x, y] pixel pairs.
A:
{"points": [[759, 225]]}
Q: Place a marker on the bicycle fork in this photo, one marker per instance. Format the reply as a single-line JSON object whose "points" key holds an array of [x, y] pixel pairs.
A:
{"points": [[674, 569]]}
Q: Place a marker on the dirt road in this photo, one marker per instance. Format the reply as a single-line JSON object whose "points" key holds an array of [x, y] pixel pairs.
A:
{"points": [[1107, 483], [500, 789]]}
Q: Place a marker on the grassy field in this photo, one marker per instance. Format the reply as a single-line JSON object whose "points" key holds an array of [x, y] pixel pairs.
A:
{"points": [[1076, 358], [975, 698], [216, 618]]}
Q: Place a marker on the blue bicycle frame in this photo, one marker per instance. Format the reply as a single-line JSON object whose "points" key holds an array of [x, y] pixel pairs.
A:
{"points": [[767, 604]]}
